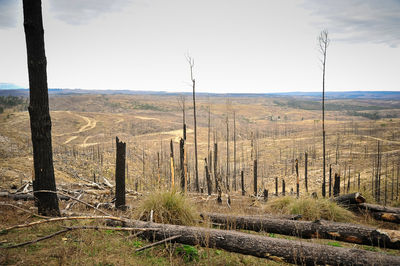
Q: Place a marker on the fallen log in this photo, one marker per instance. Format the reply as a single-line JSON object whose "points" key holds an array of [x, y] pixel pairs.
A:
{"points": [[347, 199], [351, 233], [378, 208], [387, 217], [264, 247], [26, 196]]}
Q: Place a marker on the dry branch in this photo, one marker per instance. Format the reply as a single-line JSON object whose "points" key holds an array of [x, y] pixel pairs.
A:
{"points": [[64, 219], [158, 243], [22, 209]]}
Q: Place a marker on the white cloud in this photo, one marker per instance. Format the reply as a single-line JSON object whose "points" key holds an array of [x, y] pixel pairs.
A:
{"points": [[357, 21], [77, 12], [8, 13]]}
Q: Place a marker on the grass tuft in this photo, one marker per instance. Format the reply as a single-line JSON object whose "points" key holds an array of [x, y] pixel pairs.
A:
{"points": [[168, 207], [310, 209]]}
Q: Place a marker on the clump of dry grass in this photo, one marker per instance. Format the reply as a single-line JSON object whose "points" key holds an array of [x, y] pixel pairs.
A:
{"points": [[310, 209], [168, 207]]}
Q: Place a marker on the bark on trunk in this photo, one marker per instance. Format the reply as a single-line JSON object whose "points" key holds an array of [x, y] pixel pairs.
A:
{"points": [[39, 113], [265, 247], [387, 217], [347, 199], [182, 163], [209, 184], [120, 174], [346, 232], [255, 177]]}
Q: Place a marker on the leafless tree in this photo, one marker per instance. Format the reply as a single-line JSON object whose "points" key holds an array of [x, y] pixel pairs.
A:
{"points": [[323, 41], [39, 113], [196, 170]]}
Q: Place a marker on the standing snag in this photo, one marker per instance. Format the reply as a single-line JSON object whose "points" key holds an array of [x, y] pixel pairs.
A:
{"points": [[196, 169], [323, 45], [39, 113], [120, 174]]}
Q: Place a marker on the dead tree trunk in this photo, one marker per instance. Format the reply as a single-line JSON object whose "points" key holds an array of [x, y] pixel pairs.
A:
{"points": [[182, 163], [265, 247], [216, 175], [265, 194], [276, 187], [172, 164], [348, 199], [305, 170], [227, 179], [336, 186], [196, 167], [242, 182], [330, 180], [234, 151], [323, 45], [255, 177], [120, 174], [39, 114], [297, 179], [352, 233], [283, 188], [209, 185]]}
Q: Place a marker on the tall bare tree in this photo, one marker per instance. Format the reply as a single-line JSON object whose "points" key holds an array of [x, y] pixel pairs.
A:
{"points": [[39, 113], [323, 41], [196, 169]]}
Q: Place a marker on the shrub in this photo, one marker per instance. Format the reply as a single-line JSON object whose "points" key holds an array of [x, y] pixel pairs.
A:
{"points": [[168, 207]]}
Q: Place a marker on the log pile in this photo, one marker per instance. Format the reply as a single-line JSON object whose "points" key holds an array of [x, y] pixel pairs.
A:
{"points": [[356, 202]]}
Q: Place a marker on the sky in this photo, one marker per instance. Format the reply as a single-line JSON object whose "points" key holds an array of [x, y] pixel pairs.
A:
{"points": [[252, 46]]}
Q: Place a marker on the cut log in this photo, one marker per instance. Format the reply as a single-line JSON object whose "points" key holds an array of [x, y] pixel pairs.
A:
{"points": [[387, 217], [320, 229], [265, 247], [347, 199]]}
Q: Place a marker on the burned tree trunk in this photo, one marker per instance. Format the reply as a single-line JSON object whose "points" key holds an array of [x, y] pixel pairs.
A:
{"points": [[265, 247], [196, 167], [39, 113], [336, 186], [234, 152], [120, 174], [216, 175], [297, 180], [283, 187], [172, 165], [330, 180], [182, 163], [352, 233], [305, 170], [255, 177], [242, 182], [209, 185], [348, 199]]}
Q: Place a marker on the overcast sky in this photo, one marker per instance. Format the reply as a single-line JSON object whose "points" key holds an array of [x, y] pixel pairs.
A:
{"points": [[238, 45]]}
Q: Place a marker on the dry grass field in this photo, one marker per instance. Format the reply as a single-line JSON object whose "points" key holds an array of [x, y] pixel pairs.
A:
{"points": [[274, 130]]}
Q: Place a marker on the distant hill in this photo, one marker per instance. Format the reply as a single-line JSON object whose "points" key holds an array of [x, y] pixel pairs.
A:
{"points": [[14, 90]]}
